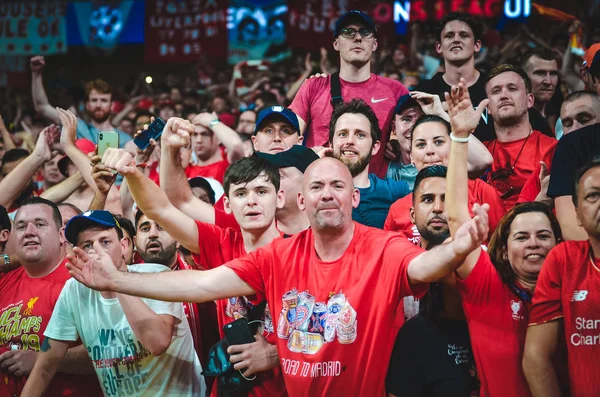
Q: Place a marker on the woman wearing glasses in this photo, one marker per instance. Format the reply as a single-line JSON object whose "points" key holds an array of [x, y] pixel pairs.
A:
{"points": [[431, 146], [496, 286]]}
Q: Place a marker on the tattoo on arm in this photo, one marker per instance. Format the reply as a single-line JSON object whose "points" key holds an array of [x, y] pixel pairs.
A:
{"points": [[46, 346]]}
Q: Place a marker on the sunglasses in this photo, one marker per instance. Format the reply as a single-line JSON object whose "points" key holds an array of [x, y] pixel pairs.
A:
{"points": [[499, 179], [350, 33]]}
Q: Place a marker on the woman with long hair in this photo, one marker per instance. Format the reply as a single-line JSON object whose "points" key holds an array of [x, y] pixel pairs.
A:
{"points": [[496, 286]]}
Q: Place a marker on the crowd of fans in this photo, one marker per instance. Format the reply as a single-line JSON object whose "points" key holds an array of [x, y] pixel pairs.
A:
{"points": [[421, 221]]}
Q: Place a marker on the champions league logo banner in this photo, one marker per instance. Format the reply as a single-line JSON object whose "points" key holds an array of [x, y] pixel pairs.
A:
{"points": [[101, 23], [257, 30]]}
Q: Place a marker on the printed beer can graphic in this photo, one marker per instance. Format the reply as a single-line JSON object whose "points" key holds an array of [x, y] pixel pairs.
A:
{"points": [[314, 342], [268, 319], [306, 303], [295, 341], [334, 306], [318, 318], [288, 314], [346, 326]]}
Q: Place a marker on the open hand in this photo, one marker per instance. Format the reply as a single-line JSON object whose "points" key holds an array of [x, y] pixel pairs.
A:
{"points": [[471, 234], [45, 142], [69, 127], [463, 117], [95, 269], [430, 103]]}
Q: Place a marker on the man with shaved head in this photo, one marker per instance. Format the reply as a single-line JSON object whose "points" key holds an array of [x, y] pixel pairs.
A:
{"points": [[333, 289]]}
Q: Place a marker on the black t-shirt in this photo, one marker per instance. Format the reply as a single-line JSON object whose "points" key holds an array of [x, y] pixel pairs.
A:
{"points": [[573, 151], [437, 85], [485, 130], [432, 359]]}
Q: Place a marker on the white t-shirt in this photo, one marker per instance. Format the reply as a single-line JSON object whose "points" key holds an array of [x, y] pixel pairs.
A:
{"points": [[123, 366]]}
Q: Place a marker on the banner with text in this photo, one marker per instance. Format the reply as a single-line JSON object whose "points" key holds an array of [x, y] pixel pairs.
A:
{"points": [[180, 31], [33, 27], [311, 22], [257, 31]]}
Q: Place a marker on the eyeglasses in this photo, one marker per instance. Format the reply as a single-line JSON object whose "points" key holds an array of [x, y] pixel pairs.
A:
{"points": [[350, 33], [499, 180]]}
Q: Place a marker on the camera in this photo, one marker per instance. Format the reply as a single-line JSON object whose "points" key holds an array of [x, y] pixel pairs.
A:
{"points": [[100, 136]]}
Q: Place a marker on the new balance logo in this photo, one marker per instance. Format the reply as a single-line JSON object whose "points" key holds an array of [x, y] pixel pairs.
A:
{"points": [[579, 296]]}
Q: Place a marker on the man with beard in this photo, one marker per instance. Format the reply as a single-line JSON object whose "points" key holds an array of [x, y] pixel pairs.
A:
{"points": [[354, 136], [542, 68], [155, 245], [355, 39], [421, 359], [517, 149], [98, 104]]}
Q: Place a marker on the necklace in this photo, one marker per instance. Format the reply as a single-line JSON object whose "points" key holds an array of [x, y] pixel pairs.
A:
{"points": [[510, 171]]}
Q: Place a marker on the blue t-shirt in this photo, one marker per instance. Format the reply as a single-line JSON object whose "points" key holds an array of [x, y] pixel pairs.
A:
{"points": [[88, 131], [400, 172], [375, 200]]}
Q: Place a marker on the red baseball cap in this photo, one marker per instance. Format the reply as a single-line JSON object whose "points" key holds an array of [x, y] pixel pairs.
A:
{"points": [[85, 145]]}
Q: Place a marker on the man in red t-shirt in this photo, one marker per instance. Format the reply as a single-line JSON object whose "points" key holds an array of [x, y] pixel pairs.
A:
{"points": [[207, 138], [277, 129], [333, 289], [579, 109], [252, 194], [355, 38], [517, 149], [27, 298], [566, 302]]}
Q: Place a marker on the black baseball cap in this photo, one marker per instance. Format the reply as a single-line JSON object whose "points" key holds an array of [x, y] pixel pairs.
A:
{"points": [[203, 183], [88, 219], [405, 102], [353, 17], [297, 156]]}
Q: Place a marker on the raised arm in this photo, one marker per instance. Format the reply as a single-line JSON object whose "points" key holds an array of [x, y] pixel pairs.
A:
{"points": [[538, 367], [60, 192], [173, 180], [479, 158], [40, 99], [181, 286], [228, 137], [437, 263], [296, 86], [5, 135], [16, 180], [464, 119], [152, 200]]}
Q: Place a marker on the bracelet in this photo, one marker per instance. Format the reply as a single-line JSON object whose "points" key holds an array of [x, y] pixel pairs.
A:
{"points": [[214, 122], [459, 140]]}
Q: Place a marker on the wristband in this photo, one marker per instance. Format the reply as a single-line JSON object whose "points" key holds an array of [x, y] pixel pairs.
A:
{"points": [[143, 165], [214, 122], [459, 140]]}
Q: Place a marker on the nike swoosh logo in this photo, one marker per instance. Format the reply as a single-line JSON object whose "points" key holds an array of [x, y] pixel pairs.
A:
{"points": [[373, 100]]}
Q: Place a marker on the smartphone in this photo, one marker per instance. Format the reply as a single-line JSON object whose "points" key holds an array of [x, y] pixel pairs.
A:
{"points": [[107, 139], [238, 332], [154, 131]]}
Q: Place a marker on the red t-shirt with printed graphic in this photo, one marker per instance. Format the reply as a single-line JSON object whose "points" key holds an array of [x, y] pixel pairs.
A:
{"points": [[26, 306], [533, 149], [217, 246], [497, 320], [398, 218], [569, 288], [336, 322]]}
